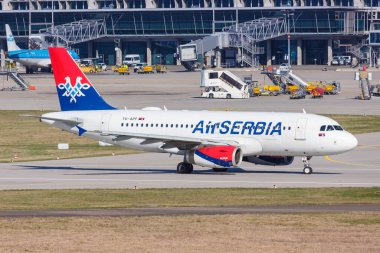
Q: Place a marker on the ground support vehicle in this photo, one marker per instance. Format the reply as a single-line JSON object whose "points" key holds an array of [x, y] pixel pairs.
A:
{"points": [[299, 94], [88, 69], [222, 84], [123, 70], [290, 88], [330, 88], [145, 70], [160, 68], [376, 91], [317, 93]]}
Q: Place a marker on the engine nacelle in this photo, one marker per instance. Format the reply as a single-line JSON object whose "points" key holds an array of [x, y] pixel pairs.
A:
{"points": [[270, 160], [215, 156]]}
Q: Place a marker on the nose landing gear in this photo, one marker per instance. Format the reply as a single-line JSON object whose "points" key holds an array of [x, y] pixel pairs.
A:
{"points": [[306, 165]]}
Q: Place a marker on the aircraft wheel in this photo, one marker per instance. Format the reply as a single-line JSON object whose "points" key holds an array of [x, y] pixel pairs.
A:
{"points": [[220, 169], [184, 168], [307, 170], [228, 96], [211, 95]]}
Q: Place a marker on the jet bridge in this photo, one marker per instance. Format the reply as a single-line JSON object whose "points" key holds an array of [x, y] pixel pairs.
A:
{"points": [[77, 32], [245, 36]]}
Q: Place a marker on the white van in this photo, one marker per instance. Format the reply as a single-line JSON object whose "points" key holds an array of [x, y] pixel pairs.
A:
{"points": [[131, 59]]}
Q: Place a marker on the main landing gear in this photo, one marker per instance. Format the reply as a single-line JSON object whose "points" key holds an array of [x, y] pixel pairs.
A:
{"points": [[184, 168], [306, 165]]}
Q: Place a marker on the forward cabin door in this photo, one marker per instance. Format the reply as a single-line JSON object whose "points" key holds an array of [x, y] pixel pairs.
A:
{"points": [[105, 122], [301, 129]]}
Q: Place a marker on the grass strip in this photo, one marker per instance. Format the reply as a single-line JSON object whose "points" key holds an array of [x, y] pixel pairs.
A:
{"points": [[29, 140], [127, 198]]}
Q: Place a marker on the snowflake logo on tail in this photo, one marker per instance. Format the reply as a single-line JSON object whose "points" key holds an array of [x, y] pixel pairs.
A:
{"points": [[73, 91]]}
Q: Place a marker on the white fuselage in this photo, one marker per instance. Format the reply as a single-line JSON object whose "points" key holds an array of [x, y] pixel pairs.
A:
{"points": [[35, 62], [257, 133]]}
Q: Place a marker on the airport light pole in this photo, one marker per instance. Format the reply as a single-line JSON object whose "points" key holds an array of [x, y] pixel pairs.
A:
{"points": [[287, 15]]}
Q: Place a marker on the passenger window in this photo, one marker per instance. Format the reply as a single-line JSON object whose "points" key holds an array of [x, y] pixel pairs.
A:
{"points": [[338, 128], [330, 128], [171, 125], [122, 124], [323, 128], [187, 125], [132, 124], [167, 125], [126, 124]]}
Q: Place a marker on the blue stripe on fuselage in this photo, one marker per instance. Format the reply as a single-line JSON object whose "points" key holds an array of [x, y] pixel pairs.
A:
{"points": [[35, 54]]}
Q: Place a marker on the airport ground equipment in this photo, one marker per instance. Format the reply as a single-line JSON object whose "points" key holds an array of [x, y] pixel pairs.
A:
{"points": [[88, 69], [123, 70], [161, 69], [375, 91], [145, 70], [22, 83], [332, 88], [365, 87], [317, 93], [299, 94], [222, 84]]}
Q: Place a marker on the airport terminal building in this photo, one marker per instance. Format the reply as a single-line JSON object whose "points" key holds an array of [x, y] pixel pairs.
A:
{"points": [[317, 29]]}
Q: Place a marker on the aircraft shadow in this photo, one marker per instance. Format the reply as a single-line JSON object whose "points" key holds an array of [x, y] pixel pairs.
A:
{"points": [[132, 171]]}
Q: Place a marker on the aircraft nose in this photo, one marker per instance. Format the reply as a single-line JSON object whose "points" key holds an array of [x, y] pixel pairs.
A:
{"points": [[351, 142]]}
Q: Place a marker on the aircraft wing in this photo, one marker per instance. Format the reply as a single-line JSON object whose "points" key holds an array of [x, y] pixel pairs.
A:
{"points": [[72, 122], [176, 141]]}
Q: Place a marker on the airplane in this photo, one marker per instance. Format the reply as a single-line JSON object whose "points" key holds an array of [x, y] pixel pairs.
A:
{"points": [[31, 59], [216, 139]]}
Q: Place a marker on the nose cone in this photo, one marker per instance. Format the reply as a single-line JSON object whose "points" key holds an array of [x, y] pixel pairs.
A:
{"points": [[350, 142]]}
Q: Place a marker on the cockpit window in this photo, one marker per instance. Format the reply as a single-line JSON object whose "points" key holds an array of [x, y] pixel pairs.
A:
{"points": [[338, 128], [331, 128]]}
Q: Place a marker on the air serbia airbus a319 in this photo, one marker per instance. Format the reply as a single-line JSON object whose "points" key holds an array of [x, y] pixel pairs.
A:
{"points": [[219, 140]]}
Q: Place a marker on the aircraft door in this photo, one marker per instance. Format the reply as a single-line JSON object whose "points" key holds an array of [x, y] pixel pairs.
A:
{"points": [[105, 122], [301, 129]]}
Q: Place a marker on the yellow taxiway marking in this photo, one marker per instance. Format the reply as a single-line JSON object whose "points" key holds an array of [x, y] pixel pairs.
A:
{"points": [[348, 163]]}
